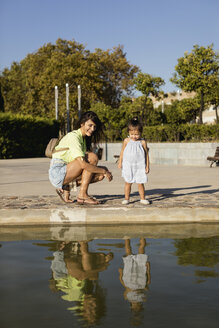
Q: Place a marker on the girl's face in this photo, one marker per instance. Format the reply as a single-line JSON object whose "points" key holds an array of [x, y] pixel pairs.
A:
{"points": [[134, 134], [88, 128]]}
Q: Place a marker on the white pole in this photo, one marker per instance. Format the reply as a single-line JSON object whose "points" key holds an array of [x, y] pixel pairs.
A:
{"points": [[79, 101], [67, 107], [162, 102], [56, 102], [178, 94]]}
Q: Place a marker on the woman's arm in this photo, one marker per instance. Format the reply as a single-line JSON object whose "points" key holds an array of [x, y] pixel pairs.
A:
{"points": [[121, 153], [93, 168]]}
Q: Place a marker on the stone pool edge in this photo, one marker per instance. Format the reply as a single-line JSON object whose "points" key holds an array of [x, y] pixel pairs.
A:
{"points": [[108, 216]]}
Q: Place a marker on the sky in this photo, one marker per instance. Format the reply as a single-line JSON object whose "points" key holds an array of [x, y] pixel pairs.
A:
{"points": [[154, 33]]}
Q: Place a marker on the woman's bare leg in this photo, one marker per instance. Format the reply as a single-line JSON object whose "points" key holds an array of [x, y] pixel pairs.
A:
{"points": [[88, 177], [83, 177]]}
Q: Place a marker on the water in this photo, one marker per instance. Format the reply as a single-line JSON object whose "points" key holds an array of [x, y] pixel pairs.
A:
{"points": [[71, 284]]}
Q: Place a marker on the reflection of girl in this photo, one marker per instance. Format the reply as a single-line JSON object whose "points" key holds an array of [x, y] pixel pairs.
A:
{"points": [[135, 276]]}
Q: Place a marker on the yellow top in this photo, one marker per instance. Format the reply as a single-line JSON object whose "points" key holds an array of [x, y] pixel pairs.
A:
{"points": [[76, 144]]}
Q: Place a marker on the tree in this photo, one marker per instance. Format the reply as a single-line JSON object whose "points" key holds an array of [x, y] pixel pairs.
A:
{"points": [[181, 112], [115, 75], [149, 86], [28, 86], [114, 119], [213, 99], [198, 71], [2, 109]]}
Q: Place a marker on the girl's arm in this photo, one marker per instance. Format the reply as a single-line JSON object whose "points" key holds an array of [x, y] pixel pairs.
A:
{"points": [[146, 149], [121, 153]]}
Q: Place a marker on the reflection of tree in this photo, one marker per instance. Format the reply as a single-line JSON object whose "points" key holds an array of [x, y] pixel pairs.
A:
{"points": [[201, 252], [75, 273]]}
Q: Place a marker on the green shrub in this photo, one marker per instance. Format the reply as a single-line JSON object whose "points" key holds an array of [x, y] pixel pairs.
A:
{"points": [[25, 136], [184, 132]]}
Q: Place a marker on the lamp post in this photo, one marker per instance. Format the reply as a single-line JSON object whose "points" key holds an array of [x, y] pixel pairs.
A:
{"points": [[56, 102], [79, 101], [178, 94], [67, 107], [162, 109]]}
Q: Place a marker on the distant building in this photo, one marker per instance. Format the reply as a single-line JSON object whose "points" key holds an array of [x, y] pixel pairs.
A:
{"points": [[209, 115]]}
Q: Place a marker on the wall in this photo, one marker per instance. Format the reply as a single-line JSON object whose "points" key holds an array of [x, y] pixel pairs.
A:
{"points": [[194, 154]]}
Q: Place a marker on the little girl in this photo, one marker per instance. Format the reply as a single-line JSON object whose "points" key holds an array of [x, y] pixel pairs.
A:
{"points": [[134, 161]]}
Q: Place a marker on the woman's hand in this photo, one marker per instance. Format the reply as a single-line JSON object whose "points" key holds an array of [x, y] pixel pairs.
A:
{"points": [[108, 175]]}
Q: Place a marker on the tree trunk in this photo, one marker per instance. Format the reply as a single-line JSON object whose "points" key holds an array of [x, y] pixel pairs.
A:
{"points": [[201, 108], [216, 113]]}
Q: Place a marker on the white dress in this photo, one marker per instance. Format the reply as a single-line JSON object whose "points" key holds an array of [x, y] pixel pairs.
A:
{"points": [[134, 276], [133, 164]]}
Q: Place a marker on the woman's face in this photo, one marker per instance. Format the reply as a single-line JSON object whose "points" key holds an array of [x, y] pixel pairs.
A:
{"points": [[88, 128]]}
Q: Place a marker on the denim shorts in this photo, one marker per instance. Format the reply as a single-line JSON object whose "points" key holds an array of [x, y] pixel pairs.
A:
{"points": [[57, 172]]}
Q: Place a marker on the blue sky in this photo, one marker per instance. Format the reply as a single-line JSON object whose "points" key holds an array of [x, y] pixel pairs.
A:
{"points": [[154, 33]]}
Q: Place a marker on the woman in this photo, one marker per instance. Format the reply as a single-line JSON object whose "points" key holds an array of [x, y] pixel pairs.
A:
{"points": [[72, 160]]}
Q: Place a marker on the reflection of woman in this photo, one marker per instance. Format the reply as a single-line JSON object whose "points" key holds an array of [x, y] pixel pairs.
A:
{"points": [[76, 275], [71, 161], [135, 276]]}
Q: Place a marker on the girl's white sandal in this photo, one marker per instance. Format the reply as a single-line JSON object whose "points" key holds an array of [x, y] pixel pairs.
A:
{"points": [[144, 201]]}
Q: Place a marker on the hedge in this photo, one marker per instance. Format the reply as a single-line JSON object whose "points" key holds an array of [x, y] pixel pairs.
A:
{"points": [[25, 136], [184, 133]]}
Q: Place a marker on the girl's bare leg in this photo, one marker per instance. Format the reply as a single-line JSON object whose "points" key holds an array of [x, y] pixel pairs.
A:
{"points": [[128, 249], [127, 190], [142, 245], [141, 191]]}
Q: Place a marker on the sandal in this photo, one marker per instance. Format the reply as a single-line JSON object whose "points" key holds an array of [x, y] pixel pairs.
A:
{"points": [[61, 193], [89, 201]]}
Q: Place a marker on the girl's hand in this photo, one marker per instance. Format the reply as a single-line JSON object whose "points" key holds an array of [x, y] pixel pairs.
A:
{"points": [[147, 170], [119, 165]]}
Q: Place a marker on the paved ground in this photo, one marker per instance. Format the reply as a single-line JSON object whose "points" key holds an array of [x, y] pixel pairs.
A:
{"points": [[184, 203], [25, 185]]}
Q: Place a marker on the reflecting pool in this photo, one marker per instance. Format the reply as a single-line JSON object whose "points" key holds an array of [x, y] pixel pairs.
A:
{"points": [[127, 282]]}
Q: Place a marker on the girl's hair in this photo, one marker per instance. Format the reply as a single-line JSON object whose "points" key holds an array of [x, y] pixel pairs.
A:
{"points": [[97, 134], [134, 123]]}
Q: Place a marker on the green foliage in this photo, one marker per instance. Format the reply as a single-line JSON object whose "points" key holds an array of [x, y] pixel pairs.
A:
{"points": [[28, 86], [202, 252], [198, 133], [114, 119], [198, 71], [183, 132], [148, 85], [181, 112], [24, 136]]}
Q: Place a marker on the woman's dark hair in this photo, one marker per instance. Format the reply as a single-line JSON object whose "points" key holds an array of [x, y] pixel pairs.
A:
{"points": [[98, 133], [134, 123]]}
